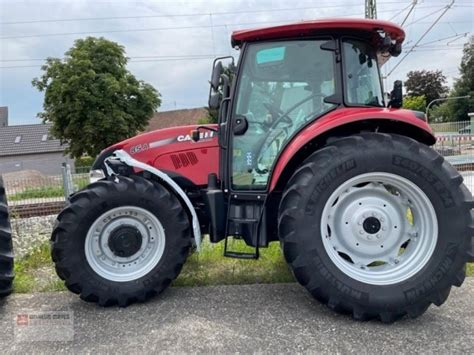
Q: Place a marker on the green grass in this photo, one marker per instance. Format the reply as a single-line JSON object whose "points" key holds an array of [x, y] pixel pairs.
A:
{"points": [[40, 192], [35, 272], [209, 267], [470, 269], [48, 191]]}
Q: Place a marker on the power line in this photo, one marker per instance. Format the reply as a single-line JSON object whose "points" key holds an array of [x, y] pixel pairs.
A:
{"points": [[422, 37], [399, 12], [158, 28], [131, 57], [131, 62], [185, 15], [409, 12]]}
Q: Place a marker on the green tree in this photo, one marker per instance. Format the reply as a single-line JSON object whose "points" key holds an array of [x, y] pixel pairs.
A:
{"points": [[430, 84], [416, 103], [440, 113], [91, 99], [459, 108]]}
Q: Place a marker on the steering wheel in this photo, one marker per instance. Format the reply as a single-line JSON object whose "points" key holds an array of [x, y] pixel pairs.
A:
{"points": [[273, 110], [283, 116]]}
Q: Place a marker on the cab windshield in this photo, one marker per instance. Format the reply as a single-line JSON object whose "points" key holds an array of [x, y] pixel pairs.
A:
{"points": [[282, 88], [361, 74]]}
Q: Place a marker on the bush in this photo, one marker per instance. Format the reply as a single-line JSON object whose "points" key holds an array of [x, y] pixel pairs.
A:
{"points": [[84, 162]]}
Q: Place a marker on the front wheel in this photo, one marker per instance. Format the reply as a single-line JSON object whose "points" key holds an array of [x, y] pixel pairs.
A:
{"points": [[377, 225], [121, 240]]}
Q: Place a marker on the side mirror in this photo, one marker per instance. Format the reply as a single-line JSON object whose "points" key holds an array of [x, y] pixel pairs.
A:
{"points": [[216, 75], [396, 95], [195, 136], [215, 100]]}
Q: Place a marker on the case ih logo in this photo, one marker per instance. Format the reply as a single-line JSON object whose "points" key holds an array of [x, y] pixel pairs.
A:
{"points": [[203, 136]]}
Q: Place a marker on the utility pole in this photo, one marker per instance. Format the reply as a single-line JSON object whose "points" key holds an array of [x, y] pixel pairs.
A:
{"points": [[370, 9]]}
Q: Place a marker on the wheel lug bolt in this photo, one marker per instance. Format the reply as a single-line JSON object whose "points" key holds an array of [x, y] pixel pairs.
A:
{"points": [[396, 261], [382, 219], [361, 232], [369, 237], [384, 229]]}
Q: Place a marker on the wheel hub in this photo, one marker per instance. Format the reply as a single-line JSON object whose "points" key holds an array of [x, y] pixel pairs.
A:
{"points": [[125, 241], [371, 225]]}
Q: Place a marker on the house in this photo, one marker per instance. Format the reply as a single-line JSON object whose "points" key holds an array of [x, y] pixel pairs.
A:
{"points": [[30, 147], [174, 118]]}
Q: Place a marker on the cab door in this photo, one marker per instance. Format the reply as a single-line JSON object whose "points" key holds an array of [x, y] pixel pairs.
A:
{"points": [[282, 87]]}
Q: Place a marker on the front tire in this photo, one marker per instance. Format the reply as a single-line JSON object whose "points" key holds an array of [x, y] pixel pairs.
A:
{"points": [[121, 241], [377, 226]]}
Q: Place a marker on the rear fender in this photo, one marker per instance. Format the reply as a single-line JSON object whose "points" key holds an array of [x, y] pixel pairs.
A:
{"points": [[345, 122], [125, 158]]}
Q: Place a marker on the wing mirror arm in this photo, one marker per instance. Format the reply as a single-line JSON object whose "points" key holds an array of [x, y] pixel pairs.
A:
{"points": [[196, 134]]}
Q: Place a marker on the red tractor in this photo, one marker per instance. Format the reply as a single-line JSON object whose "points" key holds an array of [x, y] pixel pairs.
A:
{"points": [[371, 220]]}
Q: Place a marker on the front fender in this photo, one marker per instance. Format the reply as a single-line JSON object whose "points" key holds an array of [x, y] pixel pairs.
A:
{"points": [[348, 116], [128, 160]]}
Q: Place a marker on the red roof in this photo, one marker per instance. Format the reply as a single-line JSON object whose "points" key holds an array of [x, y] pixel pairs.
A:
{"points": [[184, 117], [306, 28]]}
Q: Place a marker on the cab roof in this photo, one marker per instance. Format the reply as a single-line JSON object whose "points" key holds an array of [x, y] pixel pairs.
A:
{"points": [[307, 28]]}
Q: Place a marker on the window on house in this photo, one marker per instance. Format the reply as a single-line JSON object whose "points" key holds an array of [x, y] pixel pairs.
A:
{"points": [[18, 139], [44, 138]]}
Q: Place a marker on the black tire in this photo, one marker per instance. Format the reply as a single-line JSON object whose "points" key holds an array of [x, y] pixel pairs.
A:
{"points": [[6, 246], [301, 209], [69, 235]]}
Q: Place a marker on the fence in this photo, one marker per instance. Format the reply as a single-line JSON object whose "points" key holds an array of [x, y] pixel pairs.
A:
{"points": [[35, 199], [455, 141]]}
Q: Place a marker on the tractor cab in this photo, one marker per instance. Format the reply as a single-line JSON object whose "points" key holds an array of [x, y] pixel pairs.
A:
{"points": [[287, 78]]}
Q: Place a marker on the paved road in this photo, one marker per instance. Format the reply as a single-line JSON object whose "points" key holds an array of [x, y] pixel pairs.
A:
{"points": [[259, 318]]}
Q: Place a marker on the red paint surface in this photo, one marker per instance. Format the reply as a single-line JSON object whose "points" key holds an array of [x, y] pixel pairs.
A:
{"points": [[337, 118], [305, 28], [196, 160], [204, 158]]}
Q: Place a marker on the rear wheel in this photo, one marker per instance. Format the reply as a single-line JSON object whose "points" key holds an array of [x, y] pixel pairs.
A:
{"points": [[377, 225], [6, 247], [121, 242]]}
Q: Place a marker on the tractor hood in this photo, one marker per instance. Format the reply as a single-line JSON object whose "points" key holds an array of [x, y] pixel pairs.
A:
{"points": [[173, 151]]}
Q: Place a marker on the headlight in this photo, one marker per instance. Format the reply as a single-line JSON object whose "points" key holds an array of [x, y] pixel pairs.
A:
{"points": [[96, 175]]}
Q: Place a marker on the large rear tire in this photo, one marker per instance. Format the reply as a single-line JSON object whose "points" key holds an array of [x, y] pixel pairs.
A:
{"points": [[6, 246], [377, 226], [121, 241]]}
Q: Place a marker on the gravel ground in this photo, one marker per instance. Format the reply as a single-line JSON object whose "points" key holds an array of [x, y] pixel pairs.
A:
{"points": [[29, 233], [274, 319]]}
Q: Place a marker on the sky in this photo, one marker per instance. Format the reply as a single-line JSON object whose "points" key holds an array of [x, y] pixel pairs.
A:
{"points": [[172, 43]]}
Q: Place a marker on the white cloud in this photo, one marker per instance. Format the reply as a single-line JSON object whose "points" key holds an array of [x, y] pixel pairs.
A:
{"points": [[184, 83]]}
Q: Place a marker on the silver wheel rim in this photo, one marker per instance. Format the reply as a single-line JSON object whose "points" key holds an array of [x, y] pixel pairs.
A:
{"points": [[388, 251], [112, 267]]}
